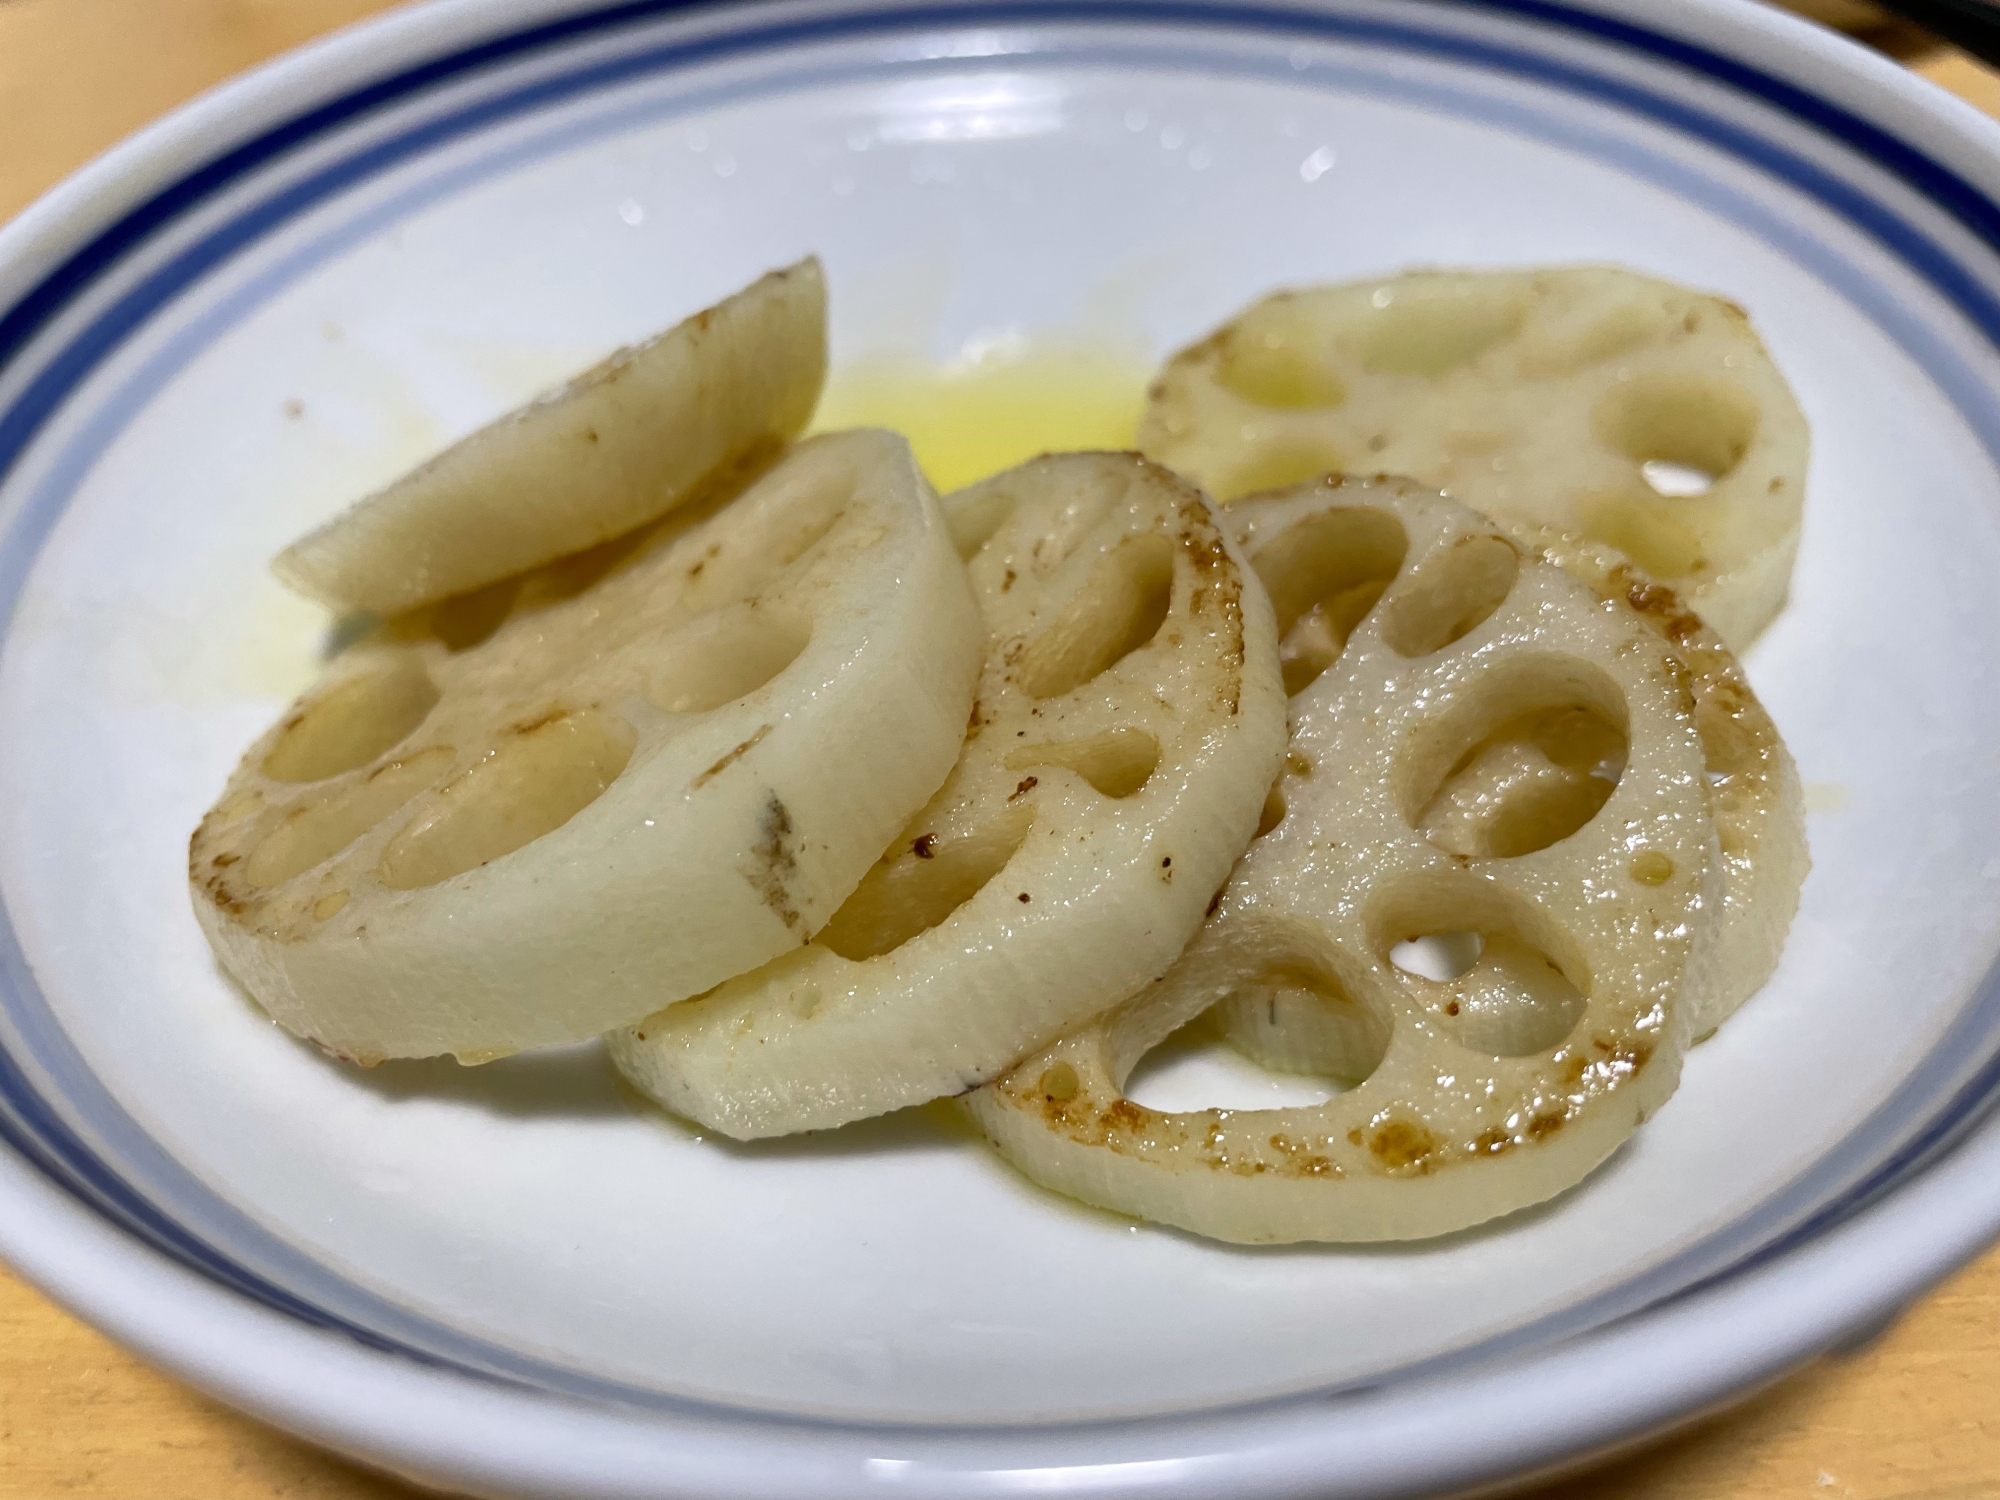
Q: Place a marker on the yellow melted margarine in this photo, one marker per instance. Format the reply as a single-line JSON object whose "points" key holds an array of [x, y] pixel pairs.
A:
{"points": [[978, 415]]}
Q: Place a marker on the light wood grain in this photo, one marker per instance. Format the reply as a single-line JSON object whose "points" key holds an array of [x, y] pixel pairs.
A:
{"points": [[1915, 1416], [81, 1417]]}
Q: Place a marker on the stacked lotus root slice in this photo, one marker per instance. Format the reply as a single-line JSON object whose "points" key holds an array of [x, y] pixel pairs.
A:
{"points": [[1529, 744], [1608, 404], [534, 811], [819, 798], [1129, 721]]}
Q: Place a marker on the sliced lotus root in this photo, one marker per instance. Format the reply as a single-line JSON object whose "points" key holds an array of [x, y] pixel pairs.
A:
{"points": [[1130, 720], [1633, 411], [1756, 800], [1427, 790], [650, 768], [1759, 806], [628, 440]]}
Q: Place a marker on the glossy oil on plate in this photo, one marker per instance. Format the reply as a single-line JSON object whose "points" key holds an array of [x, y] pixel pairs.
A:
{"points": [[519, 1280]]}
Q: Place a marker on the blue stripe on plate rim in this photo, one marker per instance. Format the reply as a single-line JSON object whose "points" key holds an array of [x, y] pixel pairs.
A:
{"points": [[1903, 1135]]}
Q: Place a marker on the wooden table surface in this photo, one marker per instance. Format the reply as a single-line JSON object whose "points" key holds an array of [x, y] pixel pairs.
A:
{"points": [[1914, 1416]]}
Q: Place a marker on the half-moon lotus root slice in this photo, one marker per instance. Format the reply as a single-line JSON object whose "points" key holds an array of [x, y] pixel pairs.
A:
{"points": [[628, 440], [1630, 410], [637, 785], [1129, 724], [1759, 806], [1453, 676]]}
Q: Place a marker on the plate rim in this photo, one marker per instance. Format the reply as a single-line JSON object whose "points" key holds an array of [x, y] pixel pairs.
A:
{"points": [[172, 1314]]}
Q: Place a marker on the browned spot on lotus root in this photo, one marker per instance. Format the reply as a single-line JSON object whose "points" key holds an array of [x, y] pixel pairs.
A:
{"points": [[776, 863], [921, 846], [1074, 1117], [1402, 1145], [732, 757], [1123, 1114], [1302, 1161], [1729, 696], [1545, 1125], [1661, 606], [541, 720]]}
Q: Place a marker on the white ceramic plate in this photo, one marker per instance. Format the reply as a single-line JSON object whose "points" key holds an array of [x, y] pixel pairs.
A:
{"points": [[510, 1280]]}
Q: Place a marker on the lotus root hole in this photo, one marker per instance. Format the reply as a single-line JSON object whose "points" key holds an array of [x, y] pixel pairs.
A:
{"points": [[314, 831], [1116, 764], [1431, 331], [351, 723], [815, 499], [470, 619], [1276, 368], [1672, 480], [1526, 762], [1450, 593], [800, 507], [807, 526], [565, 578], [1118, 610], [1438, 956], [1293, 1015], [925, 880], [975, 519], [545, 770], [1563, 351], [1279, 462], [725, 655], [1506, 998], [1274, 809], [1324, 575], [1698, 424], [1199, 1067]]}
